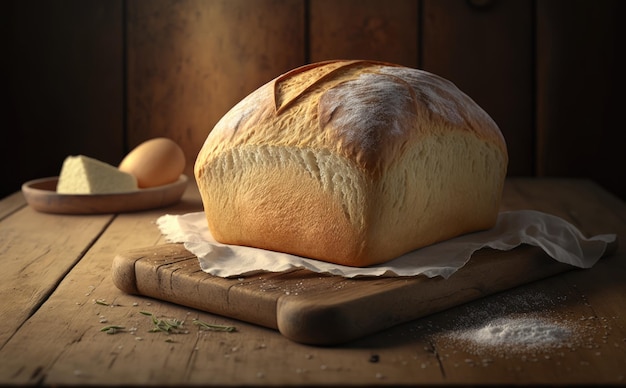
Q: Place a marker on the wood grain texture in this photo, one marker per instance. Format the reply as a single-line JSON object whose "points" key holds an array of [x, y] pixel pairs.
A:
{"points": [[319, 309], [11, 204], [40, 250], [37, 251], [190, 61], [61, 343], [370, 29], [488, 53]]}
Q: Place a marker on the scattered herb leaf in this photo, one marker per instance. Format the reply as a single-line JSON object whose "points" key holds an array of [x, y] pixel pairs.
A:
{"points": [[168, 326], [112, 329], [213, 327]]}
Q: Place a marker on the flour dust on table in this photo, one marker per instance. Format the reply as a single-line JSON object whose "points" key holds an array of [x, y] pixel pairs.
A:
{"points": [[518, 324]]}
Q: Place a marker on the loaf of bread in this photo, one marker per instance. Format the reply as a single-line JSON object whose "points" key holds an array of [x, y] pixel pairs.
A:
{"points": [[351, 162], [81, 174]]}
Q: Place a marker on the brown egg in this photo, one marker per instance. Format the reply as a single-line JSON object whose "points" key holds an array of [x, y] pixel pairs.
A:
{"points": [[155, 162]]}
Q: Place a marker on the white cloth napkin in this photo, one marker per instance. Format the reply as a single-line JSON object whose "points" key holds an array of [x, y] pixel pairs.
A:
{"points": [[558, 238]]}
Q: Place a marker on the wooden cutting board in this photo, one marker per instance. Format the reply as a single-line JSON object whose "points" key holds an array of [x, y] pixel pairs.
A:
{"points": [[320, 309]]}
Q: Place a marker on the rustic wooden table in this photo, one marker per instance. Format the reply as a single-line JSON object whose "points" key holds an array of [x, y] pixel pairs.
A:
{"points": [[57, 296]]}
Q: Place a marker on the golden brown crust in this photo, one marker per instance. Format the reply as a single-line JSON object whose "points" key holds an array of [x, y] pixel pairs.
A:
{"points": [[352, 162]]}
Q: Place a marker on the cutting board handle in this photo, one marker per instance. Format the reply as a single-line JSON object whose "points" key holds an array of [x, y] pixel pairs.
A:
{"points": [[123, 273]]}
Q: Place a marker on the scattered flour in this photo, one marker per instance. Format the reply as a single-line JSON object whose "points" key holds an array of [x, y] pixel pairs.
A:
{"points": [[517, 322], [525, 331]]}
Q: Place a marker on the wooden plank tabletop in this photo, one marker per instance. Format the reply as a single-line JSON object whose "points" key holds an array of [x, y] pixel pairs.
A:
{"points": [[56, 296]]}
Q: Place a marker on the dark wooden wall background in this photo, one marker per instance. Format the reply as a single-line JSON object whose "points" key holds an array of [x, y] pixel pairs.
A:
{"points": [[97, 77]]}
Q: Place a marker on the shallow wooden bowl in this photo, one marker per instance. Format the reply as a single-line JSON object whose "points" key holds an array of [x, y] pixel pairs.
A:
{"points": [[42, 196]]}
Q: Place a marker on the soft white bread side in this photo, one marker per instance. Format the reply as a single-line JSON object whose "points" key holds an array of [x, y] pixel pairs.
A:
{"points": [[351, 162], [84, 175]]}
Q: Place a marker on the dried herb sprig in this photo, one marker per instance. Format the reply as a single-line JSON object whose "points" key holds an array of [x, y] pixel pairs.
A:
{"points": [[168, 326], [213, 327], [112, 329]]}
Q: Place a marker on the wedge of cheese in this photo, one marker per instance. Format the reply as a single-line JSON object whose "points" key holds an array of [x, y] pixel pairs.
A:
{"points": [[84, 175]]}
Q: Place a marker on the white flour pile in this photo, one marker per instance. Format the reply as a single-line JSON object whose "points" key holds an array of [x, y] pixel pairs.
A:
{"points": [[525, 331], [516, 322]]}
